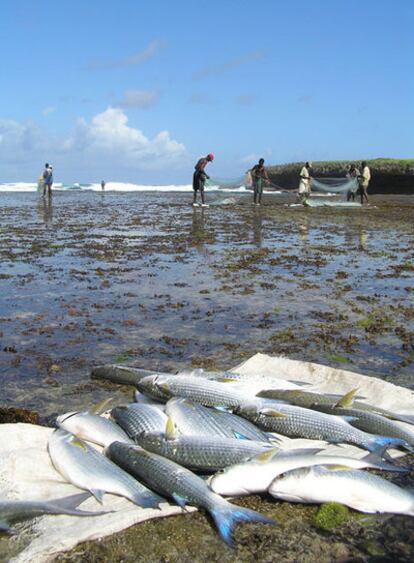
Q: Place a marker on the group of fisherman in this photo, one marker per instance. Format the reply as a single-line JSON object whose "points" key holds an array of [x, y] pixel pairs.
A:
{"points": [[259, 178]]}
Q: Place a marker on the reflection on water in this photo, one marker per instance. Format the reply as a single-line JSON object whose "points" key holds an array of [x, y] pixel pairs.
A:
{"points": [[198, 230], [45, 210], [257, 227], [363, 237]]}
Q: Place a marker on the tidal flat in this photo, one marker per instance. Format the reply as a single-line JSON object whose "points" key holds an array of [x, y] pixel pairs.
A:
{"points": [[144, 279]]}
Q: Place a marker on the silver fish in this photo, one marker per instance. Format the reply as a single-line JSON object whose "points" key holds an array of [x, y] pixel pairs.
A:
{"points": [[138, 418], [92, 427], [123, 375], [172, 480], [203, 391], [86, 468], [357, 489], [201, 453], [193, 419], [256, 475], [372, 422], [309, 400], [298, 422], [12, 511]]}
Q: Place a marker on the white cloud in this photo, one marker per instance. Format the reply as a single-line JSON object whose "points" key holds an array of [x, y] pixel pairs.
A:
{"points": [[48, 110], [139, 98], [224, 68], [150, 51], [109, 135], [106, 143]]}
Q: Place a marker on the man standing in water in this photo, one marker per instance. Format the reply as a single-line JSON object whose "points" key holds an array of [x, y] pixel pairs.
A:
{"points": [[199, 179], [353, 172], [259, 175], [305, 182], [363, 181], [47, 180], [103, 185]]}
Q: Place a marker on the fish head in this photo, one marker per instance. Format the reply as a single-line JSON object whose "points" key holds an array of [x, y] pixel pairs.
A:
{"points": [[292, 485], [247, 410], [151, 441], [62, 418], [119, 413], [154, 386], [233, 481]]}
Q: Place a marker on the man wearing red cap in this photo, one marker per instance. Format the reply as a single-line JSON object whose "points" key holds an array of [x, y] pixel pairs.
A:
{"points": [[199, 179]]}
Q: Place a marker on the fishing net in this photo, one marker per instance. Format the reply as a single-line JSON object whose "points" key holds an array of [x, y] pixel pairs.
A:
{"points": [[334, 185], [226, 182]]}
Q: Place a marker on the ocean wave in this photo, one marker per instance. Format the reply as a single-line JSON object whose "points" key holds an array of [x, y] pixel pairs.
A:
{"points": [[24, 187]]}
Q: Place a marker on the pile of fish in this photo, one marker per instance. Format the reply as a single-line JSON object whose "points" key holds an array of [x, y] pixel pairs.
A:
{"points": [[197, 437]]}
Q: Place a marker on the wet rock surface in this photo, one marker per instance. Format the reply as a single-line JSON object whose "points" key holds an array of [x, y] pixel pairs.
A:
{"points": [[145, 279]]}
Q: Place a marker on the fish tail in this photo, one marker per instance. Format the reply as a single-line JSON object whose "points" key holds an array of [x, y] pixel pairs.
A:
{"points": [[378, 463], [147, 500], [228, 515], [380, 444]]}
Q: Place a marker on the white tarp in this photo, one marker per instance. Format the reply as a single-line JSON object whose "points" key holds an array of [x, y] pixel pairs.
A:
{"points": [[27, 473]]}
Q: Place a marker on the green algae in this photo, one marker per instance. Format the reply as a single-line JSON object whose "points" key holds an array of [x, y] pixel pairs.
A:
{"points": [[331, 515]]}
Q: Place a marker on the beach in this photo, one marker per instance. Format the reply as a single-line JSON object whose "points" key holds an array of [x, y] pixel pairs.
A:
{"points": [[142, 278]]}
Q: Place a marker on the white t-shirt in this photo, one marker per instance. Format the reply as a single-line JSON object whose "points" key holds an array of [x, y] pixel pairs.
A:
{"points": [[304, 184]]}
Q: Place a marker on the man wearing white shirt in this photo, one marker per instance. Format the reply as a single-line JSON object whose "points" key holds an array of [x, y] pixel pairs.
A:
{"points": [[305, 182]]}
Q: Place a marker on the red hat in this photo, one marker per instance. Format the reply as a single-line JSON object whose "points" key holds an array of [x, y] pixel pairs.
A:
{"points": [[210, 156]]}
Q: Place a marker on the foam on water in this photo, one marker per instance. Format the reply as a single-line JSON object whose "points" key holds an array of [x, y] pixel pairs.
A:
{"points": [[24, 187]]}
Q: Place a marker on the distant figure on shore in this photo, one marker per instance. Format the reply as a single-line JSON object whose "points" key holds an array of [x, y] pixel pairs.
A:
{"points": [[259, 175], [103, 185], [305, 182], [353, 172], [47, 179], [364, 179], [199, 178]]}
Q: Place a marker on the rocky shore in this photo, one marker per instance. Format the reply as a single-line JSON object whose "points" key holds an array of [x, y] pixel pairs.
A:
{"points": [[389, 176]]}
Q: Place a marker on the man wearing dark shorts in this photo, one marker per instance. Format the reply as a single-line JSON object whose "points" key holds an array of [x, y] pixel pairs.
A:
{"points": [[259, 176], [199, 179]]}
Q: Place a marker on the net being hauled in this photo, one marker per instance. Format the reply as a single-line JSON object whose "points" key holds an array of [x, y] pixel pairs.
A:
{"points": [[229, 183], [334, 185]]}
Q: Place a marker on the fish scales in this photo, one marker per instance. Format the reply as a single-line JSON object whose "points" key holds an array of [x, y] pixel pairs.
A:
{"points": [[139, 417], [201, 453], [193, 419]]}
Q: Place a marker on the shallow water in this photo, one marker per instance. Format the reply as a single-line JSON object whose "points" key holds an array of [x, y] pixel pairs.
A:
{"points": [[147, 279], [144, 278]]}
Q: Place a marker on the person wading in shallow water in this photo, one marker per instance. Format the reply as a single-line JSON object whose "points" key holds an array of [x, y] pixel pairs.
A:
{"points": [[363, 181], [353, 172], [47, 180], [305, 182], [199, 179], [259, 175]]}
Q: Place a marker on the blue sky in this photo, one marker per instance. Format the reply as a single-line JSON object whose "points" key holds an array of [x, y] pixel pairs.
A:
{"points": [[136, 90]]}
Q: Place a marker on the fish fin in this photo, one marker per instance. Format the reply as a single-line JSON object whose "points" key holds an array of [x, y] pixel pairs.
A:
{"points": [[71, 501], [265, 456], [164, 387], [178, 499], [74, 441], [227, 515], [375, 460], [347, 418], [98, 494], [347, 399], [380, 444], [226, 380], [335, 467], [170, 429], [100, 407], [240, 436], [272, 412], [147, 499]]}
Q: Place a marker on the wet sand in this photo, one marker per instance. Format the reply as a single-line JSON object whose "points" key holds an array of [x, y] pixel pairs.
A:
{"points": [[145, 279]]}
